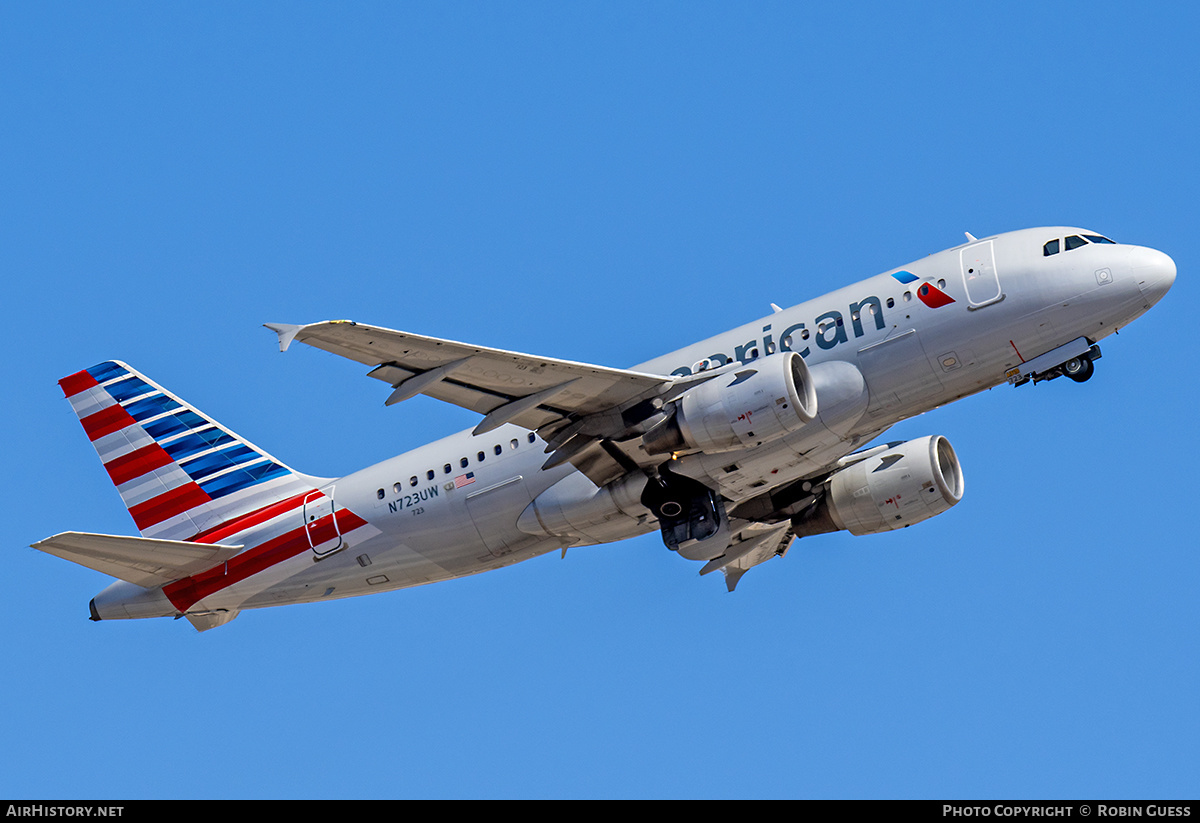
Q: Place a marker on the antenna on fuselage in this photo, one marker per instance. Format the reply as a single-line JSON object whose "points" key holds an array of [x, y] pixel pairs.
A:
{"points": [[970, 237]]}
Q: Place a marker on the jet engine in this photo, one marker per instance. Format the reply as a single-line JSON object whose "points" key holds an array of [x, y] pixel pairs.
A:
{"points": [[740, 408], [889, 488]]}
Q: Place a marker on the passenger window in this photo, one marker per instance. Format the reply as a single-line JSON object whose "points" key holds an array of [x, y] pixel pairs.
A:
{"points": [[446, 469], [498, 449], [464, 462], [480, 457], [381, 494], [396, 488], [531, 437], [1074, 242], [429, 475], [513, 444], [1050, 248], [412, 481]]}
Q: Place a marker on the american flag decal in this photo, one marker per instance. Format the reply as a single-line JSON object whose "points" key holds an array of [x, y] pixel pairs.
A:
{"points": [[464, 480]]}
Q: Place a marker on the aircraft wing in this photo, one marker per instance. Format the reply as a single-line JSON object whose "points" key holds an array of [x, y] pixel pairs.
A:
{"points": [[575, 407]]}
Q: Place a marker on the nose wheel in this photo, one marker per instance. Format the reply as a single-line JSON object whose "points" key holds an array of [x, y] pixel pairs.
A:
{"points": [[1079, 368]]}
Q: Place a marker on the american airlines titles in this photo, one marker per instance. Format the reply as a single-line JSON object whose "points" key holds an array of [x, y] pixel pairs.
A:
{"points": [[830, 331]]}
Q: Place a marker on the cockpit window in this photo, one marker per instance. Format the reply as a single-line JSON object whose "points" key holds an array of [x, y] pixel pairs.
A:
{"points": [[1074, 242], [1095, 238], [1050, 248]]}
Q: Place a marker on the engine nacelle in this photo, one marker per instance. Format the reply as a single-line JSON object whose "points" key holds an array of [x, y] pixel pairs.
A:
{"points": [[574, 510], [892, 488], [740, 409]]}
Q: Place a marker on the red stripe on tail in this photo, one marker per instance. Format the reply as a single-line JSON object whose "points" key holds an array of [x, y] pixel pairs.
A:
{"points": [[239, 524], [168, 504], [77, 382], [128, 466], [106, 421]]}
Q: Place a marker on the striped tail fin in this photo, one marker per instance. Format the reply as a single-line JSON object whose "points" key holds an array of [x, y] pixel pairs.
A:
{"points": [[180, 473]]}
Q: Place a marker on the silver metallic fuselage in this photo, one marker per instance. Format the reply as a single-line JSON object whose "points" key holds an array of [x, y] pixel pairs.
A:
{"points": [[1009, 303]]}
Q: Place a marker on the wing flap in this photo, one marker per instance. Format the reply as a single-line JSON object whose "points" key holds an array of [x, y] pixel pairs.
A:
{"points": [[143, 561], [752, 545], [210, 620]]}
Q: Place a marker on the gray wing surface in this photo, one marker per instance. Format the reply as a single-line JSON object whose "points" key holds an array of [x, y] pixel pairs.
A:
{"points": [[582, 411], [575, 407]]}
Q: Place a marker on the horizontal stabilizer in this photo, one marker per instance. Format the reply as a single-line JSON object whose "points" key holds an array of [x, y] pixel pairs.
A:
{"points": [[142, 561]]}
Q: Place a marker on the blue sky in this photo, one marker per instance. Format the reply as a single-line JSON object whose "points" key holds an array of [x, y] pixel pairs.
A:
{"points": [[603, 182]]}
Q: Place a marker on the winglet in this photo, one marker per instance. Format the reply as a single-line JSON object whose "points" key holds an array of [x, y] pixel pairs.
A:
{"points": [[286, 331]]}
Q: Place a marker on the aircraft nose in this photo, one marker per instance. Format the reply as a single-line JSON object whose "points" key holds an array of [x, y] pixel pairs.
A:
{"points": [[1154, 272]]}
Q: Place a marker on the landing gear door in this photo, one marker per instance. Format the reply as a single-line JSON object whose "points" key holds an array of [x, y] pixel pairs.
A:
{"points": [[320, 524], [979, 275]]}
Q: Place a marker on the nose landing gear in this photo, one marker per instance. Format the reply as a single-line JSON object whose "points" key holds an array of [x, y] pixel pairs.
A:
{"points": [[1075, 360], [1079, 368]]}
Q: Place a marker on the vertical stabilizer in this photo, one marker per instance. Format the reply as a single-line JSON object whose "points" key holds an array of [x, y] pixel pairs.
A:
{"points": [[179, 472]]}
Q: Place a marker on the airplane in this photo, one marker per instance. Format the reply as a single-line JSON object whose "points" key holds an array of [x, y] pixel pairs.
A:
{"points": [[731, 448]]}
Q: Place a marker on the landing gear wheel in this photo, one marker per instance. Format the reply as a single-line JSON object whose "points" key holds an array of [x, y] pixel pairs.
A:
{"points": [[1079, 369]]}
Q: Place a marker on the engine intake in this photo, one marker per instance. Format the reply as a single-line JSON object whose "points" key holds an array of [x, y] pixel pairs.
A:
{"points": [[741, 408], [890, 489]]}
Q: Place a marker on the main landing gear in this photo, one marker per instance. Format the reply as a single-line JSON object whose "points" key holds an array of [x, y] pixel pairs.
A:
{"points": [[687, 511]]}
